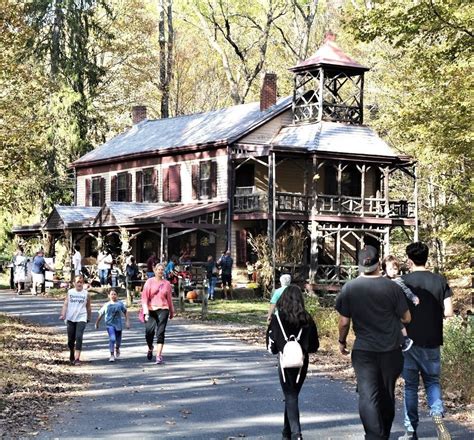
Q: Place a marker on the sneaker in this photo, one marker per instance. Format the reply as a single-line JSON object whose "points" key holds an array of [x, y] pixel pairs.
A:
{"points": [[409, 436], [441, 429], [117, 352], [77, 362], [112, 358], [407, 343], [159, 360], [149, 355], [71, 357]]}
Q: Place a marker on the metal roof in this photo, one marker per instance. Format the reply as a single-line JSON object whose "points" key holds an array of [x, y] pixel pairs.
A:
{"points": [[203, 128], [329, 54], [76, 214], [179, 212], [333, 137]]}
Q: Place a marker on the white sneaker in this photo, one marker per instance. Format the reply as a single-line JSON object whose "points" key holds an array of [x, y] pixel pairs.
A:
{"points": [[117, 352], [112, 358]]}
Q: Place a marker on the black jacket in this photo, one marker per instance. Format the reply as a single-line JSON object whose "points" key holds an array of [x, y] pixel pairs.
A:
{"points": [[309, 340]]}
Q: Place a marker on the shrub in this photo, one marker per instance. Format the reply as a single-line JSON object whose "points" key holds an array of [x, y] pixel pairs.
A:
{"points": [[326, 318], [457, 356]]}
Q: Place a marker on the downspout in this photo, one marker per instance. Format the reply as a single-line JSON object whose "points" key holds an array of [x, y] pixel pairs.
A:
{"points": [[230, 197]]}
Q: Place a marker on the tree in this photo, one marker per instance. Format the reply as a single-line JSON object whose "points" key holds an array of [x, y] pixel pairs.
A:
{"points": [[423, 56], [240, 35]]}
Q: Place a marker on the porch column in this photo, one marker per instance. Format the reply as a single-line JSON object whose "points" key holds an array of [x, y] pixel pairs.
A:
{"points": [[386, 173], [338, 251], [362, 189], [313, 268], [271, 209], [339, 186], [387, 241], [321, 94]]}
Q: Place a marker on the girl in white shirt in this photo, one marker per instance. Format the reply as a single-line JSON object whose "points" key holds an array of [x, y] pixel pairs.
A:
{"points": [[77, 313]]}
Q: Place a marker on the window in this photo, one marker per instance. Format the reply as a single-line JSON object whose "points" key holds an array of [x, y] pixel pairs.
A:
{"points": [[95, 192], [205, 180], [122, 186], [148, 191]]}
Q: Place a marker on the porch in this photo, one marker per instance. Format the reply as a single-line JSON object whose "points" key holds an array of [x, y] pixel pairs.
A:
{"points": [[325, 204]]}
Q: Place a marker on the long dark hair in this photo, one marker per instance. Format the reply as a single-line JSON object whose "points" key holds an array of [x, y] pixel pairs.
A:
{"points": [[291, 307]]}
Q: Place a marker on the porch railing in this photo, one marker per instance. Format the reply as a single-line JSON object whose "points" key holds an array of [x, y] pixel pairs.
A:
{"points": [[292, 202], [326, 204], [331, 274]]}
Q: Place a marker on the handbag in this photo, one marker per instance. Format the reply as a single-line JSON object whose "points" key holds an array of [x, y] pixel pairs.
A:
{"points": [[141, 315]]}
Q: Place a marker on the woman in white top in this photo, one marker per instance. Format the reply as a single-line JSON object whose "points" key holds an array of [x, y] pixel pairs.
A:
{"points": [[104, 264], [19, 274], [77, 313]]}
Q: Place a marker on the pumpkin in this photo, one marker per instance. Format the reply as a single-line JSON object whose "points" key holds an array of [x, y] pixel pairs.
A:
{"points": [[192, 295]]}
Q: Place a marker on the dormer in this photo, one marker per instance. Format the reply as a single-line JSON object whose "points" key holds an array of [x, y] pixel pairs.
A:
{"points": [[328, 86]]}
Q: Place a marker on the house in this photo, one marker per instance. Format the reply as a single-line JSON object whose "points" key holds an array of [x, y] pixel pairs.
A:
{"points": [[201, 183]]}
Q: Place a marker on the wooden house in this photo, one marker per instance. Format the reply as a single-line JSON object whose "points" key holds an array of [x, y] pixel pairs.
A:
{"points": [[201, 183]]}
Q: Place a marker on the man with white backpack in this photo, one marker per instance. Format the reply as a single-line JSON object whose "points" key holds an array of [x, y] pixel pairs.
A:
{"points": [[292, 334]]}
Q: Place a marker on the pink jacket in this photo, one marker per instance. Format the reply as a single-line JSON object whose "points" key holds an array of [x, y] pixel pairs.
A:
{"points": [[157, 295]]}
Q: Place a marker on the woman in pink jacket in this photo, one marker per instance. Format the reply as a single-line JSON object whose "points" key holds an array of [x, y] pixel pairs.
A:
{"points": [[157, 308]]}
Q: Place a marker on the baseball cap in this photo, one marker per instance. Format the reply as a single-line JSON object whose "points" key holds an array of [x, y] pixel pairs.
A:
{"points": [[368, 259]]}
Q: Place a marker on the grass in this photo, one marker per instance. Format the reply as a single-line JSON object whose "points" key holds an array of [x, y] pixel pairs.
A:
{"points": [[237, 311]]}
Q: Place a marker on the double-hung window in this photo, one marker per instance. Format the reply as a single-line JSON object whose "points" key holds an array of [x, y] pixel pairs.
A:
{"points": [[95, 192], [122, 187], [205, 180], [147, 187]]}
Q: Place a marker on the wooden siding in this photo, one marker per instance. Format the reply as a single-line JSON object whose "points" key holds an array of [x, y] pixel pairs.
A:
{"points": [[266, 132], [186, 195], [290, 177], [261, 177]]}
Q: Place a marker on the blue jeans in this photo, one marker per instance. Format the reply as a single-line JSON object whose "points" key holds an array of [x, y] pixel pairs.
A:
{"points": [[211, 287], [427, 362], [103, 276], [115, 337]]}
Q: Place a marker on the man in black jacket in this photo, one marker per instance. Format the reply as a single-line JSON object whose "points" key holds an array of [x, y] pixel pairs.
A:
{"points": [[375, 305]]}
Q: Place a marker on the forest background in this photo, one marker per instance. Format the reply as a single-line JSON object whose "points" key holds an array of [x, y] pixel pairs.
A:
{"points": [[72, 69]]}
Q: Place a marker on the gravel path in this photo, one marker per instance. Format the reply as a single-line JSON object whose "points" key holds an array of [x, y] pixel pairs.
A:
{"points": [[211, 386]]}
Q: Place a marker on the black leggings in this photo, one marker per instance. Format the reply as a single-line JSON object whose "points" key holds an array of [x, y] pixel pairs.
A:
{"points": [[75, 333], [157, 320]]}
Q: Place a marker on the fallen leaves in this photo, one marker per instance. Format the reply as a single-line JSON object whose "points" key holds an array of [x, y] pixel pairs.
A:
{"points": [[35, 376]]}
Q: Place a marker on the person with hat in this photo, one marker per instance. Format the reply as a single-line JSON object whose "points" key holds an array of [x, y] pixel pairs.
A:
{"points": [[375, 306]]}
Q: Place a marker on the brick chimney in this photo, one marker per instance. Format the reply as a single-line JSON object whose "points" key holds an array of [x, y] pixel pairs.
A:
{"points": [[138, 113], [268, 93]]}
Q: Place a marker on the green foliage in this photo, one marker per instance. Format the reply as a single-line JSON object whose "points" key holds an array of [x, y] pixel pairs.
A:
{"points": [[326, 318], [422, 53], [458, 357]]}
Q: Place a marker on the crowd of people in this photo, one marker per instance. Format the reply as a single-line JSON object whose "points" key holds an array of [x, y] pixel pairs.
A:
{"points": [[397, 322]]}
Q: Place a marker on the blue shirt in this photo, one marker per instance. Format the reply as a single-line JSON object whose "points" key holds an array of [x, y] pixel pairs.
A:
{"points": [[276, 295], [113, 314], [38, 264]]}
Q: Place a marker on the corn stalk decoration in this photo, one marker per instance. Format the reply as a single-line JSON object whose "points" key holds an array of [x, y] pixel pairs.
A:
{"points": [[261, 246], [290, 245]]}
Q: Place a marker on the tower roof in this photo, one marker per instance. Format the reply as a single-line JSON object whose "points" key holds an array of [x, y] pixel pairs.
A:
{"points": [[329, 55]]}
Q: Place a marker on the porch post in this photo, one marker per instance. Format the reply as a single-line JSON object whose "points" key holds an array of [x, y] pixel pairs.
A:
{"points": [[321, 94], [271, 209], [338, 251], [386, 173], [415, 195], [314, 224], [162, 243], [362, 190], [387, 241], [339, 186]]}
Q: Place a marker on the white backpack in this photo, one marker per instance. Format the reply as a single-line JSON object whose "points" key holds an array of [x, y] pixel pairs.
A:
{"points": [[292, 355]]}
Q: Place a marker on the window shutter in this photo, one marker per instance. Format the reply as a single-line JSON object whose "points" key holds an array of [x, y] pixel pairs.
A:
{"points": [[138, 189], [241, 248], [175, 183], [195, 180], [129, 187], [88, 192], [213, 179], [102, 191], [166, 184], [154, 181], [113, 189]]}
